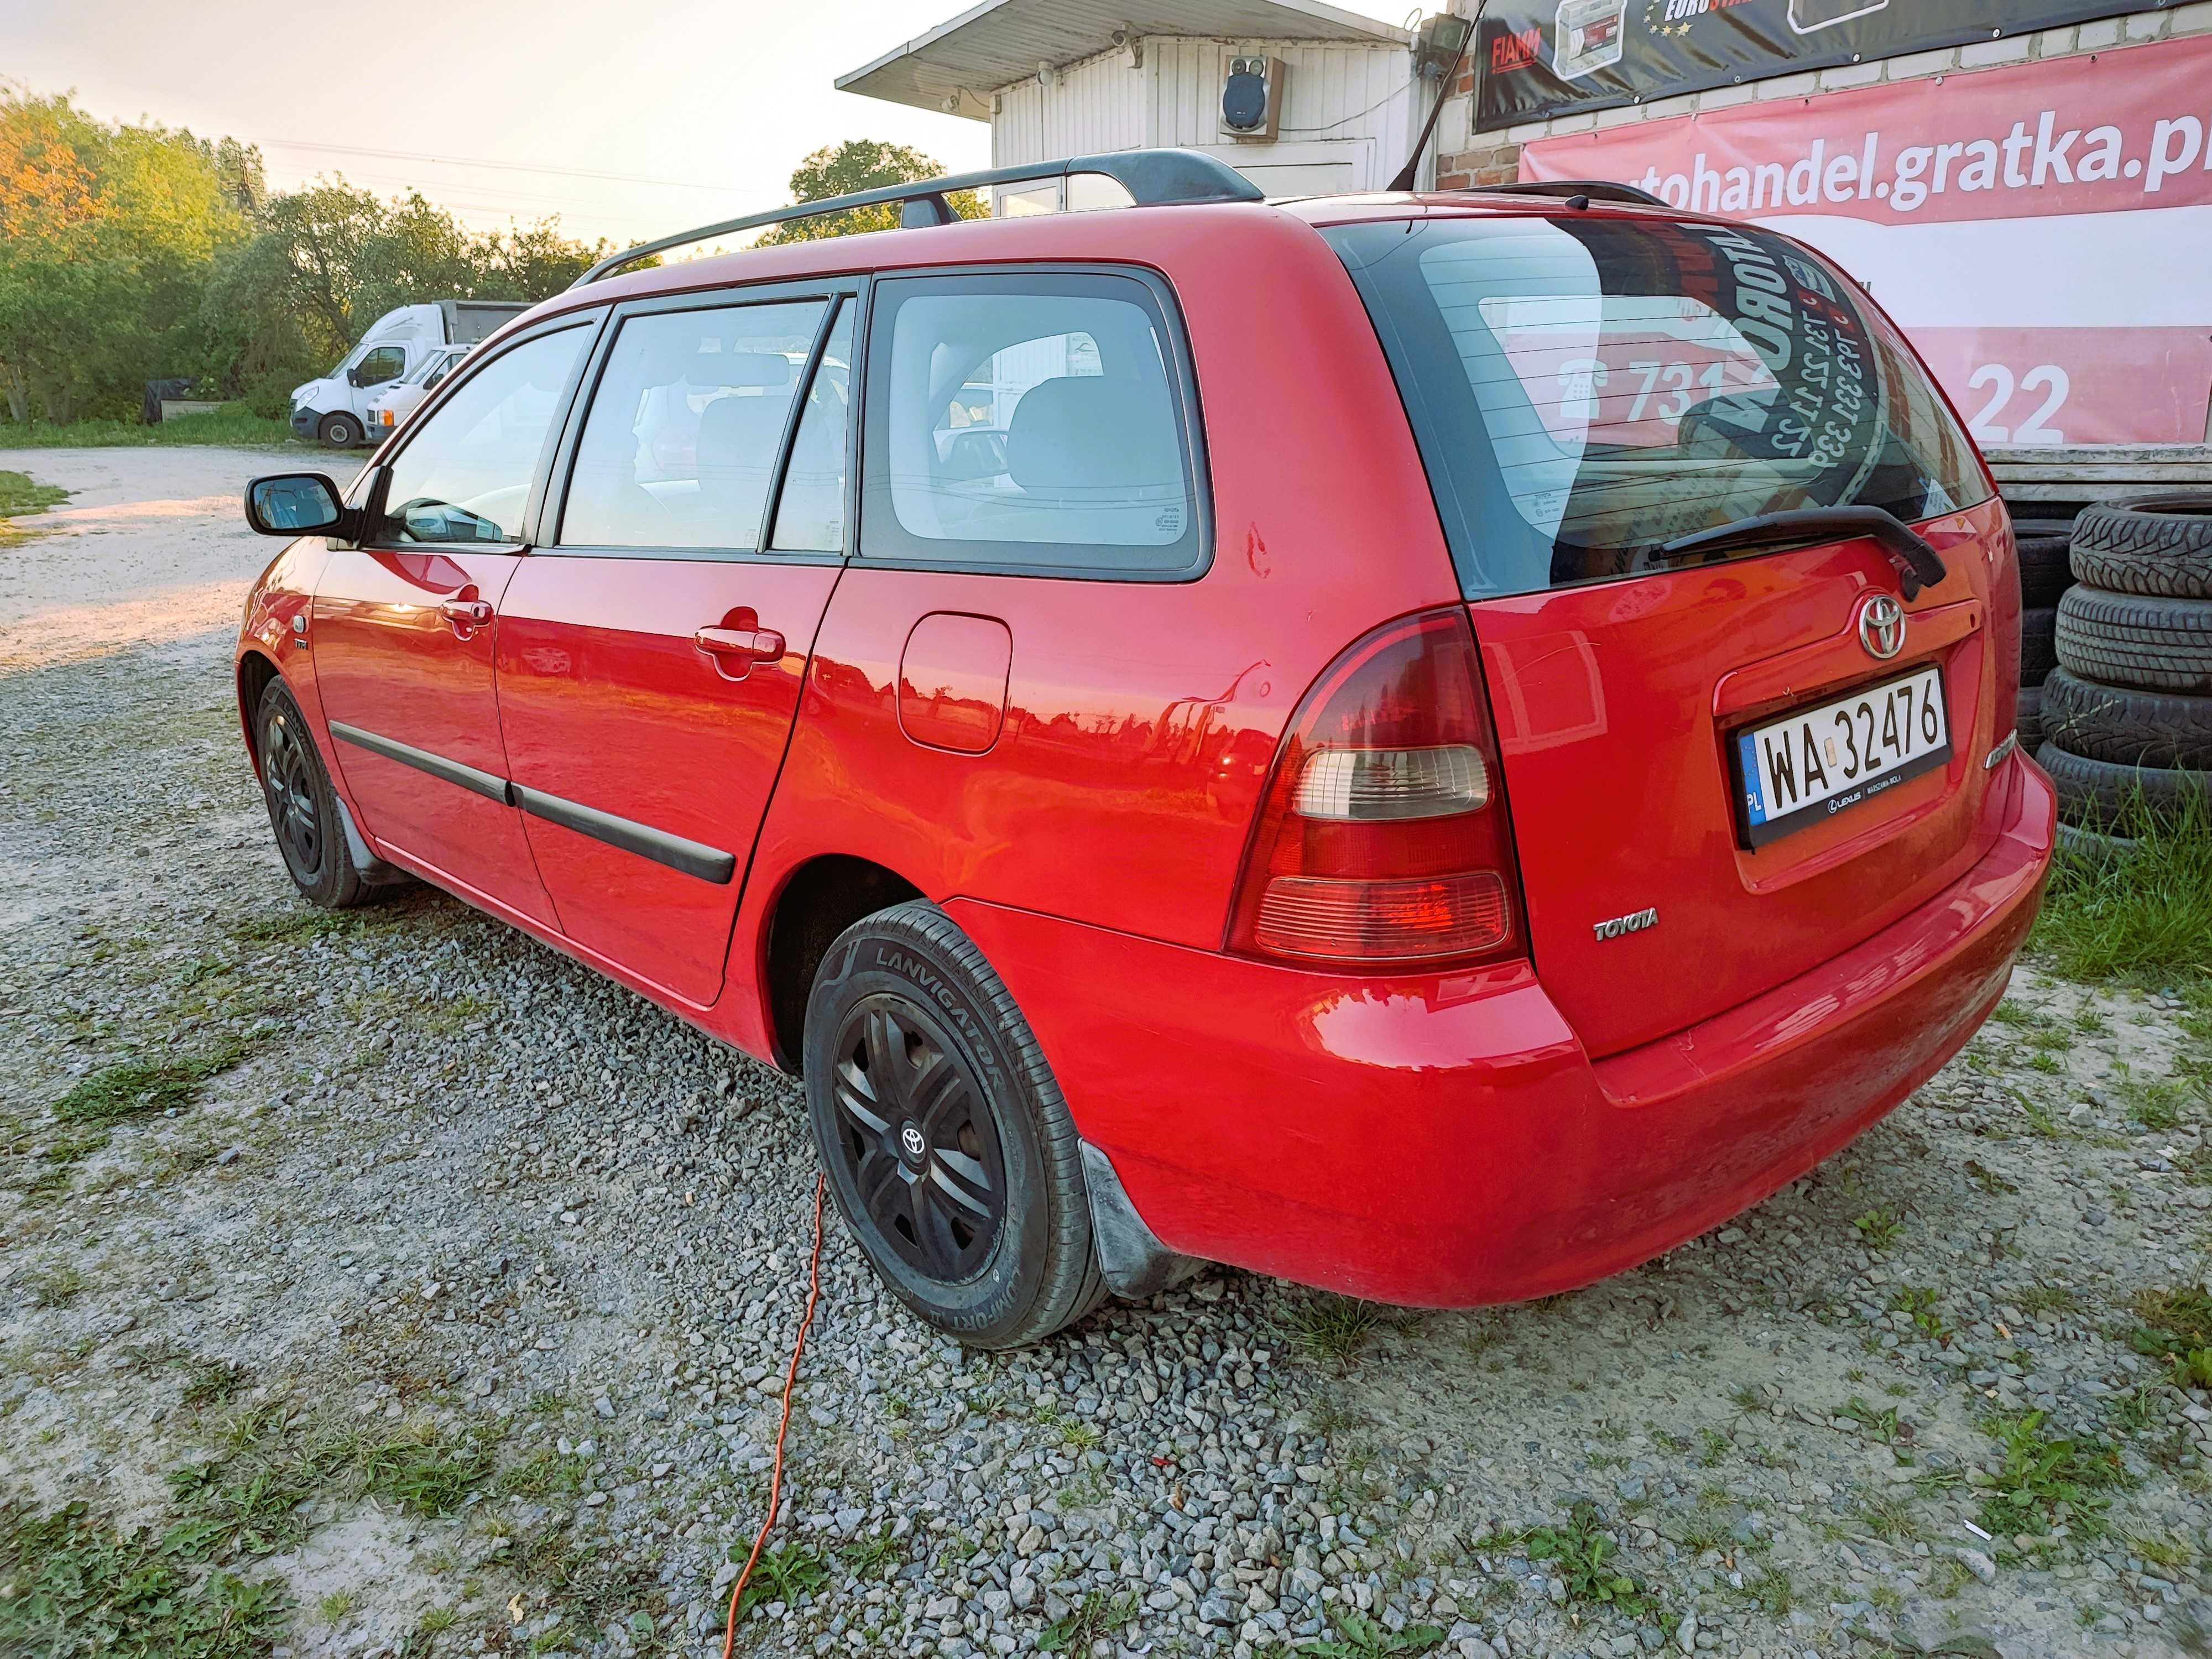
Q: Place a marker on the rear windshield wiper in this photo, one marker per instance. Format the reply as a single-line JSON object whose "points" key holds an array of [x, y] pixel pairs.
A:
{"points": [[1919, 565]]}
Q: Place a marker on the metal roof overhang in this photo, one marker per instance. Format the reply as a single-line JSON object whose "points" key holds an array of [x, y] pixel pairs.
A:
{"points": [[1000, 42]]}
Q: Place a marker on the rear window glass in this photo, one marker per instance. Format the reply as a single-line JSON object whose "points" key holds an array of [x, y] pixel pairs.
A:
{"points": [[1585, 390], [1030, 422]]}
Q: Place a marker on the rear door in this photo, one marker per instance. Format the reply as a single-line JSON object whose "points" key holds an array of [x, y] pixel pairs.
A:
{"points": [[651, 652], [404, 626], [1589, 387]]}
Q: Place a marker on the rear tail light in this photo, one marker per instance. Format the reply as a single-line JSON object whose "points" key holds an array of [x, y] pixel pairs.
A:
{"points": [[1382, 838]]}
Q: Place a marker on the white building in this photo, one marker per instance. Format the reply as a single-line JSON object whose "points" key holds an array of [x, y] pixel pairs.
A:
{"points": [[1076, 78]]}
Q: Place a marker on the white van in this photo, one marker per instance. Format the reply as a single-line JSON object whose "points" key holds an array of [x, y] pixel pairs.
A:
{"points": [[400, 398], [335, 409]]}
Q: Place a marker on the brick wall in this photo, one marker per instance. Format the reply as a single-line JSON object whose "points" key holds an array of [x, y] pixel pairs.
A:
{"points": [[1465, 157]]}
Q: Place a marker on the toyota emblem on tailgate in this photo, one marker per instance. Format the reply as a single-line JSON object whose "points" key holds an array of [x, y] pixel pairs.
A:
{"points": [[1881, 626]]}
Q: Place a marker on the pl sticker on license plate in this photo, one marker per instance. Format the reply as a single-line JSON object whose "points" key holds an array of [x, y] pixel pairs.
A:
{"points": [[1812, 763]]}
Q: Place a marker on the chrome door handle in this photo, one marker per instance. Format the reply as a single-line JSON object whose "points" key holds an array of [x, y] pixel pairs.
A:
{"points": [[464, 613], [751, 644]]}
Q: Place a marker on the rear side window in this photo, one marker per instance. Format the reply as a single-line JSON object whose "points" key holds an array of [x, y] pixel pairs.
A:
{"points": [[1028, 423], [1586, 390], [681, 444]]}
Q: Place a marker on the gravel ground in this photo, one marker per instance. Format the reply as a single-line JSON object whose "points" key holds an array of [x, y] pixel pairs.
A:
{"points": [[445, 1290]]}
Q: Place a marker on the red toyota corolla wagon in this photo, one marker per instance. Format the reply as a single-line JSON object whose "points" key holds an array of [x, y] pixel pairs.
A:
{"points": [[1435, 746]]}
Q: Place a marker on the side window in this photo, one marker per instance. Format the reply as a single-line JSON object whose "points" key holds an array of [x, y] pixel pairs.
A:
{"points": [[809, 514], [1027, 421], [465, 475], [376, 366], [682, 439], [444, 367]]}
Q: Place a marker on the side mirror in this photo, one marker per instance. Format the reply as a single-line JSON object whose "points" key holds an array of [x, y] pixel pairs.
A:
{"points": [[352, 376], [294, 504]]}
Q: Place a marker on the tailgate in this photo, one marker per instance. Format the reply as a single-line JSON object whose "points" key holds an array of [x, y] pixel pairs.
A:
{"points": [[1617, 707]]}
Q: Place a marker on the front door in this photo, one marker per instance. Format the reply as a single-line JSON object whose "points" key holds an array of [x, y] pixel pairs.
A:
{"points": [[404, 627], [652, 655]]}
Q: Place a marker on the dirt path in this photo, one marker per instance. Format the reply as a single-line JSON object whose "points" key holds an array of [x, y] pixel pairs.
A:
{"points": [[436, 1293], [150, 546]]}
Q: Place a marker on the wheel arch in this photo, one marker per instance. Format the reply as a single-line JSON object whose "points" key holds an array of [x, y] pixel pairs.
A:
{"points": [[255, 671], [819, 900]]}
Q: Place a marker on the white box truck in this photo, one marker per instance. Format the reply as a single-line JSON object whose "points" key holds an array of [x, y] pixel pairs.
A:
{"points": [[334, 410]]}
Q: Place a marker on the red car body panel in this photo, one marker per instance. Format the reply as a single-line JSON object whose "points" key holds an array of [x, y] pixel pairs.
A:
{"points": [[607, 700], [1073, 767], [1617, 698], [389, 660], [1443, 1141]]}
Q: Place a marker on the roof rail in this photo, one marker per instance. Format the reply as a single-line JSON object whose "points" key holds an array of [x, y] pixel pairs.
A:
{"points": [[1152, 177], [1597, 190]]}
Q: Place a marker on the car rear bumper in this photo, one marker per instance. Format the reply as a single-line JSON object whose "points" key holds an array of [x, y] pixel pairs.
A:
{"points": [[1445, 1141]]}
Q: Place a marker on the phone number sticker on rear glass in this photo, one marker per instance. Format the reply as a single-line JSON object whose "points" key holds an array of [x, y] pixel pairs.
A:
{"points": [[1812, 763]]}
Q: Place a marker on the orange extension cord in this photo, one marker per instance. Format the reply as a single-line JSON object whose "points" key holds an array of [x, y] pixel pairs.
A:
{"points": [[790, 1381]]}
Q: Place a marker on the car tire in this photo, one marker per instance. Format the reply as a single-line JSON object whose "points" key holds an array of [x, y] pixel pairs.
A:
{"points": [[966, 1194], [2158, 546], [340, 431], [2044, 572], [2157, 645], [2038, 650], [2098, 795], [2126, 727], [303, 808], [2094, 845], [2027, 717]]}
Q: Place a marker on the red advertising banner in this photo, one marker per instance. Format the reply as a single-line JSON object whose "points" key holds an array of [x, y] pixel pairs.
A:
{"points": [[2042, 232]]}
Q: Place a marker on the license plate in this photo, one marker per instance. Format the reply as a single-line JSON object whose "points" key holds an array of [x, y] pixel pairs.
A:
{"points": [[1812, 764]]}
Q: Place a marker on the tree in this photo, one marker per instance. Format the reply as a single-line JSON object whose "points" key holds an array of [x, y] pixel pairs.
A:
{"points": [[129, 253], [106, 233], [860, 164]]}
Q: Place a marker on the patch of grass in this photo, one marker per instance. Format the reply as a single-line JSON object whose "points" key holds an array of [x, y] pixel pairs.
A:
{"points": [[2045, 1481], [1581, 1553], [73, 1588], [1772, 1590], [1988, 1179], [2176, 1327], [1881, 1424], [233, 423], [213, 1382], [1334, 1328], [1088, 1621], [2158, 1106], [19, 496], [1879, 1226], [57, 1287], [1359, 1638], [115, 1094], [548, 1474], [248, 1498], [2041, 1298], [873, 1557], [1920, 1302], [1889, 1520], [783, 1574], [2147, 911], [337, 1606]]}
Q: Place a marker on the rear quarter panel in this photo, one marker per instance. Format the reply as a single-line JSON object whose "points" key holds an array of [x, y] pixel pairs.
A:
{"points": [[1142, 715]]}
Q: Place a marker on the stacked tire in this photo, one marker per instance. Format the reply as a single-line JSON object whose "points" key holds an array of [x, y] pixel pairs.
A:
{"points": [[2126, 713], [2044, 576]]}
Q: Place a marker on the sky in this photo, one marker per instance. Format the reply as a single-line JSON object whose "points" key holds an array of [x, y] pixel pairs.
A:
{"points": [[627, 121]]}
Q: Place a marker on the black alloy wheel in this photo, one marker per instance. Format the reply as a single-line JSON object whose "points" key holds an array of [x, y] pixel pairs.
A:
{"points": [[287, 779], [916, 1138], [950, 1151], [303, 809]]}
